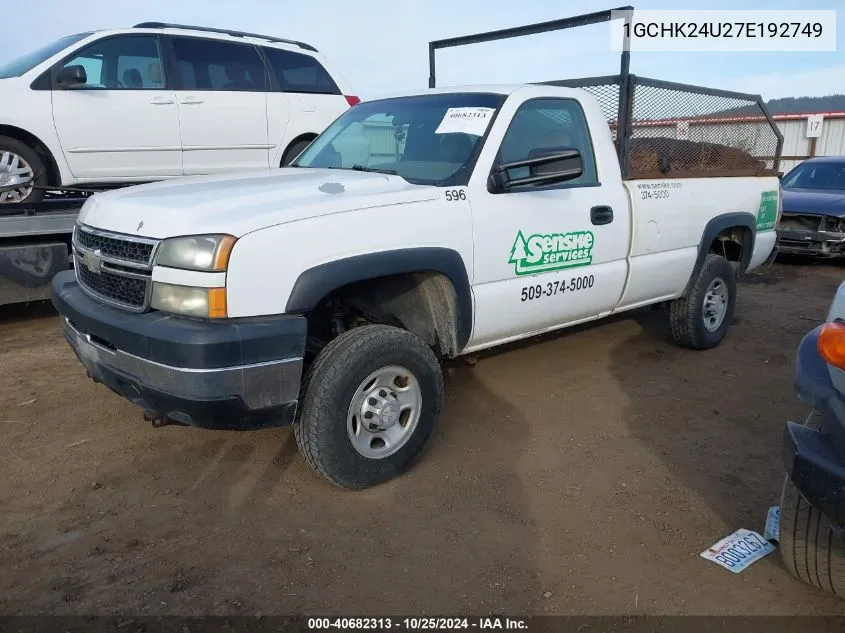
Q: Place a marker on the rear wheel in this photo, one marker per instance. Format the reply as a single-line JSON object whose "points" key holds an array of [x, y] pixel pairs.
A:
{"points": [[700, 319], [809, 547], [22, 172], [370, 403], [295, 150]]}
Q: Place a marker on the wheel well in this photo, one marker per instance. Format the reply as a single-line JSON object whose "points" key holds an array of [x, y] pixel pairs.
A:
{"points": [[423, 303], [308, 136], [731, 243], [53, 174]]}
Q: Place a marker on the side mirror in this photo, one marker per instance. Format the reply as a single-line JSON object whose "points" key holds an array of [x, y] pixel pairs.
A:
{"points": [[70, 76], [545, 167]]}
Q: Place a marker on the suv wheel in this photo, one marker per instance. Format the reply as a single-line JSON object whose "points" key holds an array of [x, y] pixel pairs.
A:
{"points": [[21, 169], [370, 403]]}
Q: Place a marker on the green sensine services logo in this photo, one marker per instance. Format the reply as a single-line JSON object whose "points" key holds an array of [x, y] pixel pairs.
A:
{"points": [[539, 253]]}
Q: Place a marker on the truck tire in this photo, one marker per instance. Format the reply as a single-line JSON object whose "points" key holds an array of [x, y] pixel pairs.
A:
{"points": [[370, 402], [16, 155], [700, 319], [809, 547]]}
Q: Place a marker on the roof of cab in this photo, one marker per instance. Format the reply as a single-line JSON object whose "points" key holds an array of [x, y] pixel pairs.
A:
{"points": [[500, 89]]}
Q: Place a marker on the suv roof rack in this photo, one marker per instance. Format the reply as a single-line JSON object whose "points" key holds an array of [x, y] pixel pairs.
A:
{"points": [[208, 29]]}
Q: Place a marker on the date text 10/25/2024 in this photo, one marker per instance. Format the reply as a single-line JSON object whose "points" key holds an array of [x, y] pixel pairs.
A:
{"points": [[418, 624]]}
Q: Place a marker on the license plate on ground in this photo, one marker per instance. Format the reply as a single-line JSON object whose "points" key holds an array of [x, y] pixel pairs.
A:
{"points": [[739, 550]]}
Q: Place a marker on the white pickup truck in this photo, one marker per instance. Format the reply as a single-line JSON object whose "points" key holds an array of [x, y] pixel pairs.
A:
{"points": [[416, 228]]}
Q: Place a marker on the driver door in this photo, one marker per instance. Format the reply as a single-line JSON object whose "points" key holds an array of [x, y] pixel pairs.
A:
{"points": [[123, 122], [547, 256]]}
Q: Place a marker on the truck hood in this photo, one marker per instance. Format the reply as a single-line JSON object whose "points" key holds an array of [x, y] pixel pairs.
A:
{"points": [[814, 201], [239, 203]]}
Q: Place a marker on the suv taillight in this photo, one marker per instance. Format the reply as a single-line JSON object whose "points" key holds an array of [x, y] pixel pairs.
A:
{"points": [[352, 100]]}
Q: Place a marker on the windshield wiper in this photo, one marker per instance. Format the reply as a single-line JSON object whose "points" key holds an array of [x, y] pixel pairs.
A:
{"points": [[391, 172], [374, 170]]}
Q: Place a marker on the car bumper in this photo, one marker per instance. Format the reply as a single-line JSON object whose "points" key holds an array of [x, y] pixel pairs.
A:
{"points": [[815, 460], [235, 374], [806, 242]]}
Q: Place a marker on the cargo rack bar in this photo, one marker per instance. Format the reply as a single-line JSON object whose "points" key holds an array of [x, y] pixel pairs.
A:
{"points": [[533, 29], [208, 29]]}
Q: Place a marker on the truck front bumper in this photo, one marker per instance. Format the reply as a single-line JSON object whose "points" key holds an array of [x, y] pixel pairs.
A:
{"points": [[815, 460], [233, 374]]}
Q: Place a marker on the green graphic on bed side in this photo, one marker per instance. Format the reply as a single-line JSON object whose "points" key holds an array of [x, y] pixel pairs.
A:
{"points": [[540, 252], [767, 216]]}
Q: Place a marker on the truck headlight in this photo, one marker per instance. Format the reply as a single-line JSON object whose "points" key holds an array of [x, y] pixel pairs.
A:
{"points": [[196, 252], [188, 300]]}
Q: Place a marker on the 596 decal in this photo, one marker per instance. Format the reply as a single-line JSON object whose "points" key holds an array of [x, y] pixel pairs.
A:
{"points": [[551, 288], [453, 195]]}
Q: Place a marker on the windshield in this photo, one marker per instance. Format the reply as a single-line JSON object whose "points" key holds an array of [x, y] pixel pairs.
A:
{"points": [[24, 64], [821, 175], [429, 139]]}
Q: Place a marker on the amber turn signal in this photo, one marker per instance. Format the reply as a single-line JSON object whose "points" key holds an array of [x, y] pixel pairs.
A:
{"points": [[217, 303], [831, 344]]}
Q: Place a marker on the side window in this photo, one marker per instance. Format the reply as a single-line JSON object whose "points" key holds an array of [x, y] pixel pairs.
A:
{"points": [[121, 63], [546, 125], [221, 66], [300, 73]]}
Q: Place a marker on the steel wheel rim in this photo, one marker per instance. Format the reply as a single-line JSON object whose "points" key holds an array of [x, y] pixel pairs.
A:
{"points": [[384, 412], [715, 305], [14, 170]]}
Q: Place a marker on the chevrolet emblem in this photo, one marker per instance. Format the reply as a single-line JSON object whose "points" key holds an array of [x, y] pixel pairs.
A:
{"points": [[92, 261]]}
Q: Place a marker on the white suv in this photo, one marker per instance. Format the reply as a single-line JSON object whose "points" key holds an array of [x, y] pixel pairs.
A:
{"points": [[157, 101]]}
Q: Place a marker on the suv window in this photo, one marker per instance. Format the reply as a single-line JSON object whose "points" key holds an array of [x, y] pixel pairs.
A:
{"points": [[216, 65], [121, 63], [546, 125], [300, 73]]}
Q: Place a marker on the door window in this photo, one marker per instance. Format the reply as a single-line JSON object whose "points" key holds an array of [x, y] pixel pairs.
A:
{"points": [[300, 73], [220, 66], [121, 63], [542, 126]]}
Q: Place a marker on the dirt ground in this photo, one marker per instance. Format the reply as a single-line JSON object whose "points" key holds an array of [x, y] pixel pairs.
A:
{"points": [[579, 474]]}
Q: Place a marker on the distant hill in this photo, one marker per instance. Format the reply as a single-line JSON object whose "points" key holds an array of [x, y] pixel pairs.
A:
{"points": [[791, 105], [798, 105]]}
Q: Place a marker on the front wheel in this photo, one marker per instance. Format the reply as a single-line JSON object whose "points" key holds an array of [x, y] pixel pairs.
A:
{"points": [[809, 547], [700, 319], [370, 403]]}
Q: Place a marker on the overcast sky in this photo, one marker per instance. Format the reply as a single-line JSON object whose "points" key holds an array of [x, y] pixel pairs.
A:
{"points": [[381, 46]]}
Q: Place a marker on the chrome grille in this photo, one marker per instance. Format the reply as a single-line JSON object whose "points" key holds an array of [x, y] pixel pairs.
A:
{"points": [[124, 291], [114, 268], [115, 246]]}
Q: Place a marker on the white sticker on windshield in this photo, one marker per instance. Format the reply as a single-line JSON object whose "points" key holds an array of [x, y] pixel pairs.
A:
{"points": [[466, 120]]}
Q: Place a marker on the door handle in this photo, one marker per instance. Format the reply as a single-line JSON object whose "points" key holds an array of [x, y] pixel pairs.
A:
{"points": [[601, 215], [162, 101], [191, 101]]}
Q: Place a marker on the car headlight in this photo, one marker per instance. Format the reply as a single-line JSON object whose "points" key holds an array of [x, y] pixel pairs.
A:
{"points": [[196, 252], [188, 300]]}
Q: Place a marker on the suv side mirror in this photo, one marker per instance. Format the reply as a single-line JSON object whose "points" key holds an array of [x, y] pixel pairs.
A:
{"points": [[545, 167], [70, 76]]}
